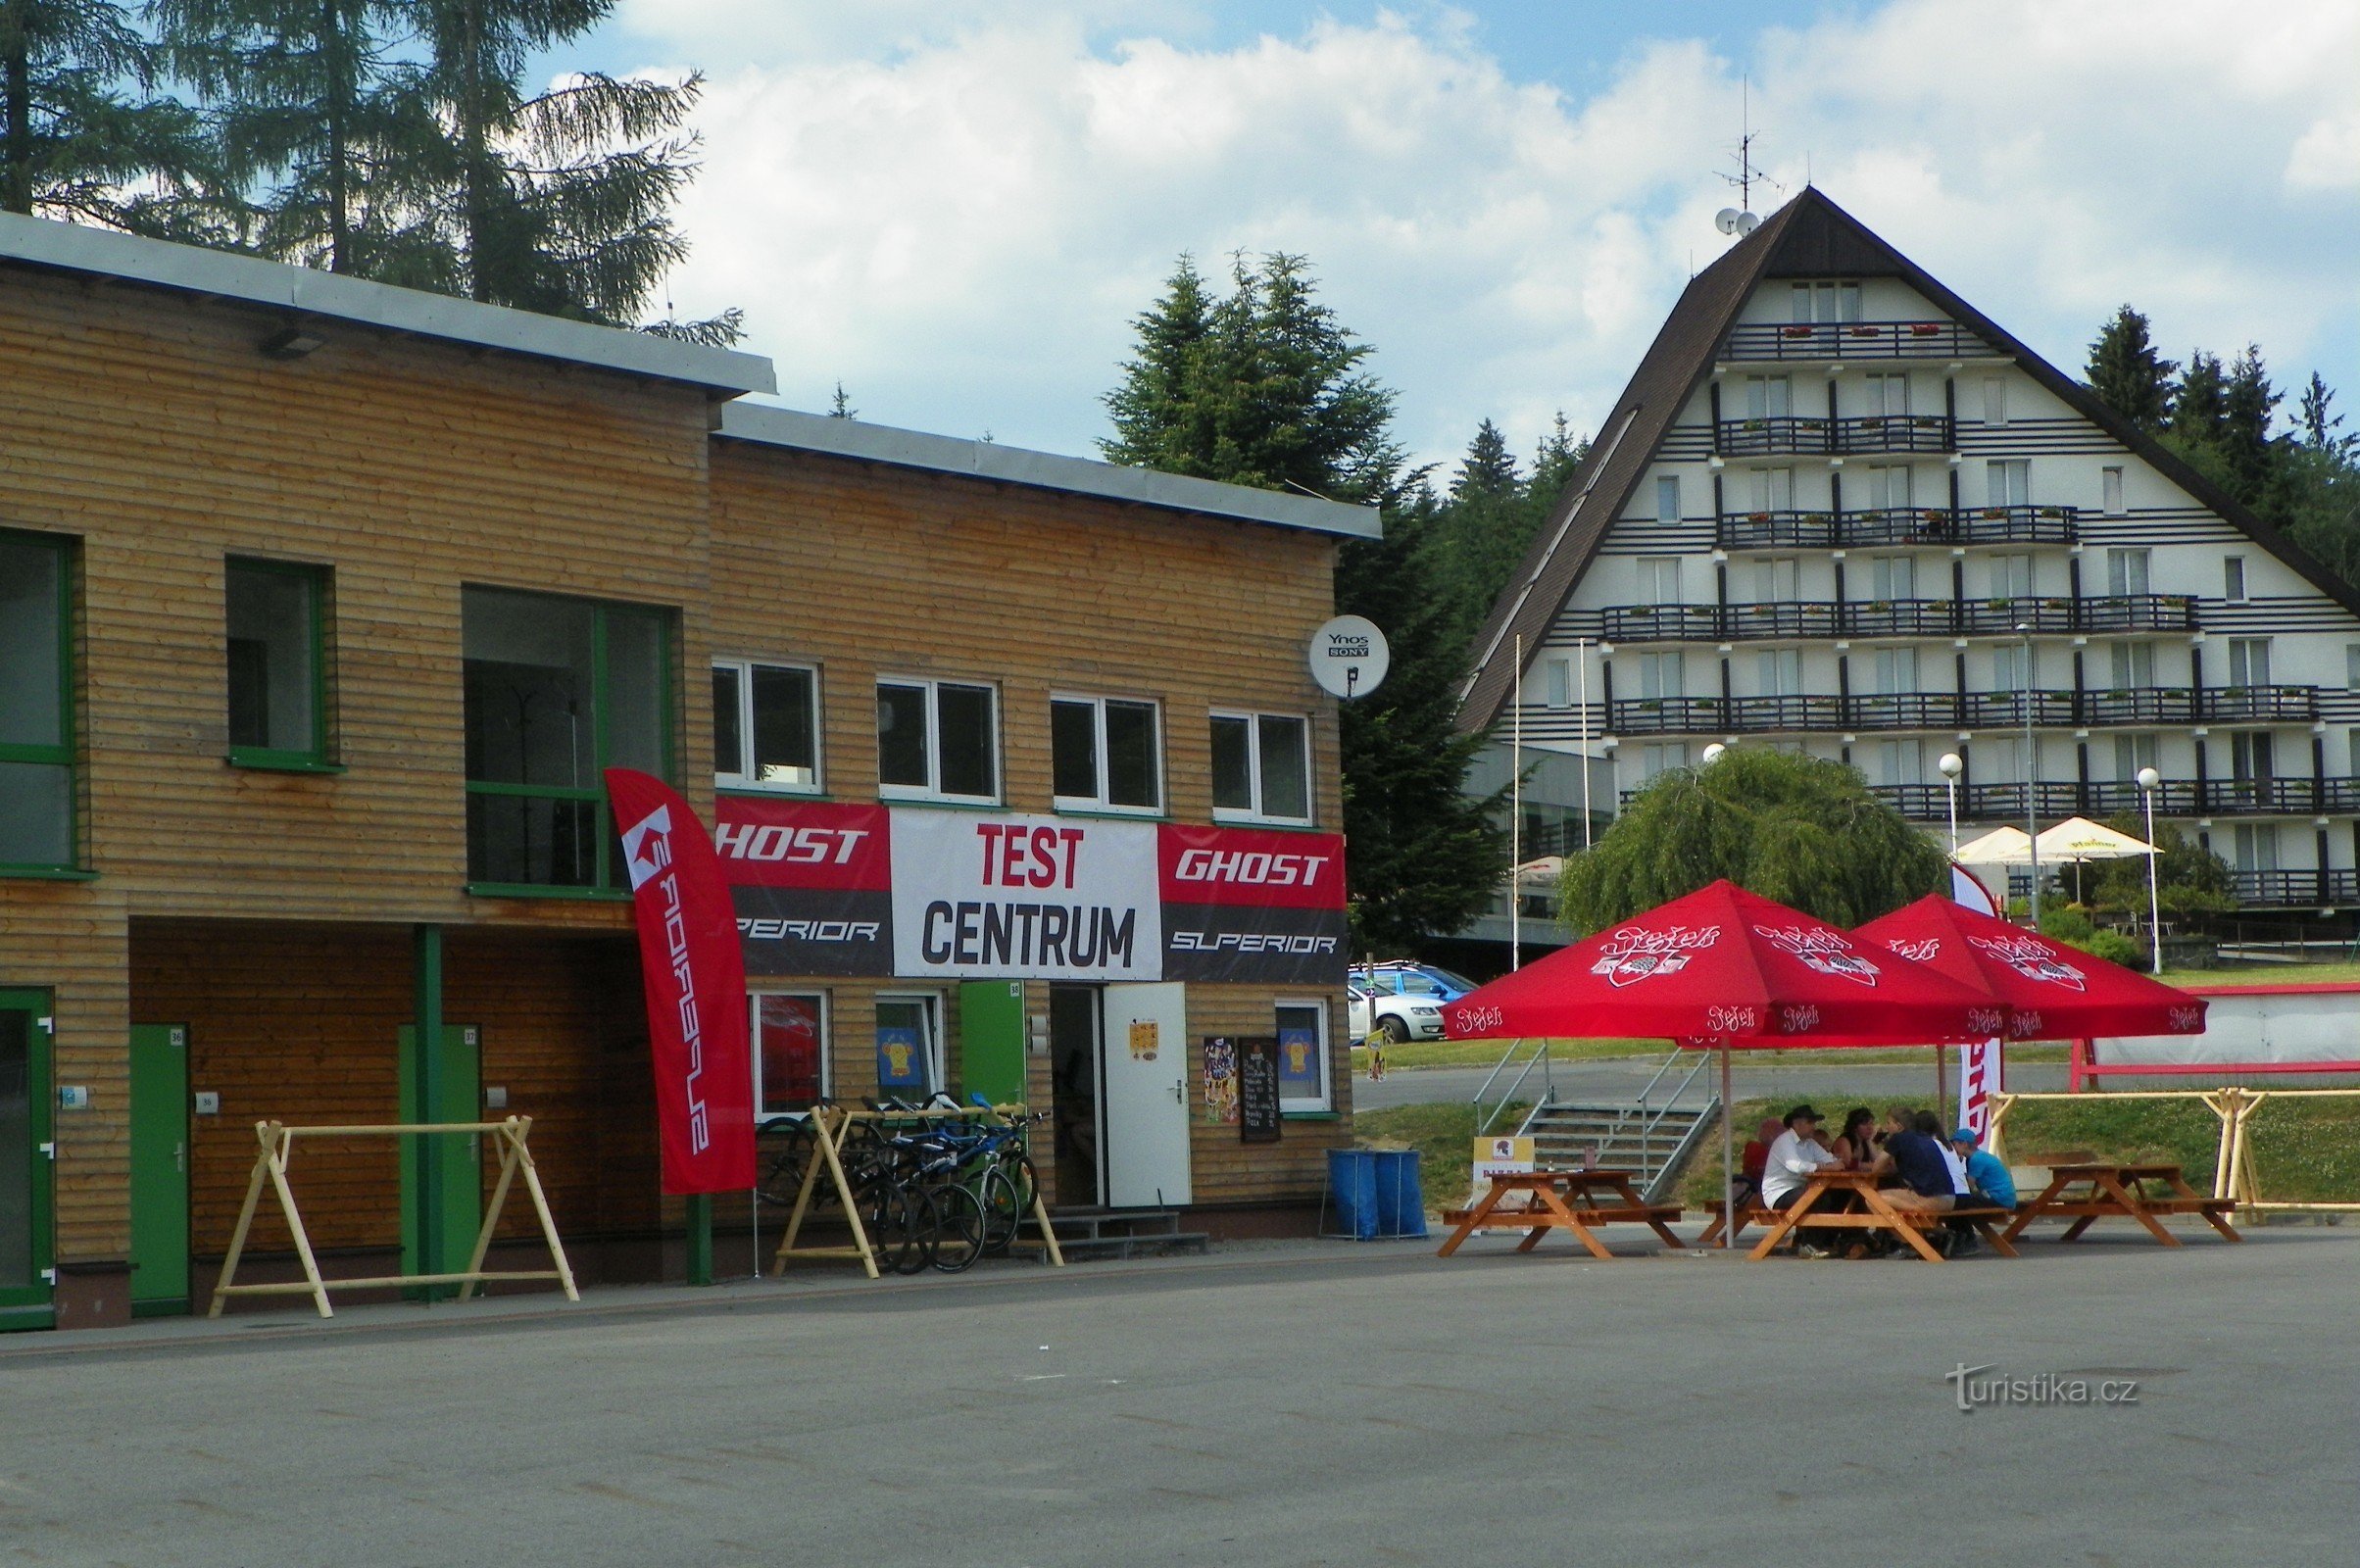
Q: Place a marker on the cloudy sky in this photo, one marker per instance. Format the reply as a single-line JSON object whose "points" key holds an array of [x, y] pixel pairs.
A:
{"points": [[956, 207]]}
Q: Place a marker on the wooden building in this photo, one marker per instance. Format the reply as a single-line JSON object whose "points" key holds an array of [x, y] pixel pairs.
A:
{"points": [[321, 605]]}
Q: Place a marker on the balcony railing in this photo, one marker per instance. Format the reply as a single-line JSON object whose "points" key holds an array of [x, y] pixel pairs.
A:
{"points": [[2145, 706], [2139, 705], [2174, 797], [1963, 526], [2052, 800], [1933, 617], [1778, 530], [1854, 340], [1771, 715], [1896, 432], [1669, 715], [2292, 889], [1903, 711], [2290, 704], [1920, 803], [1770, 435]]}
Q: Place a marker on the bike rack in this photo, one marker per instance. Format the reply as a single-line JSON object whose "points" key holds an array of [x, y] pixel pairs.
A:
{"points": [[831, 1125]]}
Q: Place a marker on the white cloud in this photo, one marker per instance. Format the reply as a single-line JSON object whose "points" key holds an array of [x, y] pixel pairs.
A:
{"points": [[958, 213]]}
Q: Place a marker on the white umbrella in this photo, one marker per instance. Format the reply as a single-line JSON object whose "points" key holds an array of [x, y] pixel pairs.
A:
{"points": [[2003, 846], [1542, 876], [2076, 838]]}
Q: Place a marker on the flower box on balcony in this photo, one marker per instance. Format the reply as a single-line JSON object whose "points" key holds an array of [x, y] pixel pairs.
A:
{"points": [[1924, 328], [1802, 330], [1757, 517], [1863, 330]]}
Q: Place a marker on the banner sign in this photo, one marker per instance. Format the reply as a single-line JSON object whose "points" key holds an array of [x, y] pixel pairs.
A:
{"points": [[907, 891], [1978, 1064], [696, 988], [812, 884], [1252, 904], [1258, 1090]]}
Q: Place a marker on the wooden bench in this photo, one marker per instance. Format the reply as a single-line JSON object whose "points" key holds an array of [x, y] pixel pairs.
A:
{"points": [[1598, 1198], [1876, 1211], [1752, 1212], [2088, 1192]]}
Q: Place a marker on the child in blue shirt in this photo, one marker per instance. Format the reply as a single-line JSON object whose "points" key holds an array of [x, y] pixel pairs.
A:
{"points": [[1987, 1175]]}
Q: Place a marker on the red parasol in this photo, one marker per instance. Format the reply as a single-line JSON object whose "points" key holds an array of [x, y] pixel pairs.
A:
{"points": [[2052, 992], [1721, 966]]}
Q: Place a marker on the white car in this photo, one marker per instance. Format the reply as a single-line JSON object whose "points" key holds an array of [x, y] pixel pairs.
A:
{"points": [[1407, 1006]]}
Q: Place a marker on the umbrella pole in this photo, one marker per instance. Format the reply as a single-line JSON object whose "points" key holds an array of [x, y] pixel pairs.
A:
{"points": [[1942, 1086], [1729, 1163]]}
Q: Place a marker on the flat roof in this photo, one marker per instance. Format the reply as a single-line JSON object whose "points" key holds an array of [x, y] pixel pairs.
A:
{"points": [[792, 429], [307, 292]]}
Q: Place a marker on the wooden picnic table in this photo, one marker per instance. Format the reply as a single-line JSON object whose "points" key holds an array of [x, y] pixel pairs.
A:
{"points": [[1876, 1212], [2088, 1192], [1599, 1198]]}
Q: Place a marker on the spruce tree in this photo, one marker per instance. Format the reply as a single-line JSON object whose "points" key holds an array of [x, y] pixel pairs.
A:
{"points": [[1488, 470], [2128, 374], [83, 134], [318, 116], [558, 202], [2248, 406], [2199, 402], [1554, 464], [1264, 386]]}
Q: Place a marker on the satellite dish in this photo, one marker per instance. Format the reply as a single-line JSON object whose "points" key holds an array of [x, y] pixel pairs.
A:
{"points": [[1726, 219], [1747, 223], [1349, 657]]}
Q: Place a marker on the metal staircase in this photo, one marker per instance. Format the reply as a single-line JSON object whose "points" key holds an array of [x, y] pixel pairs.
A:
{"points": [[1654, 1134]]}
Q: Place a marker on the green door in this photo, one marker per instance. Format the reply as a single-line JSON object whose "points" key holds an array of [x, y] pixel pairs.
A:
{"points": [[27, 1271], [438, 1232], [991, 1035], [159, 1169]]}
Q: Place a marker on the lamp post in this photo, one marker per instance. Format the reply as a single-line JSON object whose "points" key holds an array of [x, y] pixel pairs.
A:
{"points": [[1712, 752], [1952, 765], [2148, 779], [2031, 825], [1581, 679]]}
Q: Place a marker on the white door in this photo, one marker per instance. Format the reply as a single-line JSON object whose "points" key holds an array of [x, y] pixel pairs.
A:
{"points": [[1144, 1092]]}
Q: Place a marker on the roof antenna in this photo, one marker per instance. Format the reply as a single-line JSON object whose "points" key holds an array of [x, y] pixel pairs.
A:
{"points": [[1740, 219]]}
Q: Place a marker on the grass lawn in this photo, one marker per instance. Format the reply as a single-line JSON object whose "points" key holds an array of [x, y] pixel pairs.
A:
{"points": [[2269, 974]]}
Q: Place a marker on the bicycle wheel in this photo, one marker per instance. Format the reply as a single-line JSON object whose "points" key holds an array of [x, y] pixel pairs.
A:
{"points": [[892, 1227], [1003, 1209], [785, 1154], [958, 1235], [924, 1219]]}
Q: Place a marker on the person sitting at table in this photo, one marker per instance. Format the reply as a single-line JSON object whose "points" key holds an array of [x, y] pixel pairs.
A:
{"points": [[1856, 1145], [1793, 1157], [1959, 1241], [1988, 1176], [1755, 1159], [1924, 1175]]}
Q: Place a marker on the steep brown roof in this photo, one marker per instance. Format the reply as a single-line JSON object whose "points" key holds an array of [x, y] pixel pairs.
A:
{"points": [[1809, 237]]}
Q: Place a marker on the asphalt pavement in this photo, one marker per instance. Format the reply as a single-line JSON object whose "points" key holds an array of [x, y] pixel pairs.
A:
{"points": [[1321, 1404], [1822, 1080]]}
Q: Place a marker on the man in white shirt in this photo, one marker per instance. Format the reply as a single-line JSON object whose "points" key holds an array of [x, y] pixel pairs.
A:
{"points": [[1794, 1154]]}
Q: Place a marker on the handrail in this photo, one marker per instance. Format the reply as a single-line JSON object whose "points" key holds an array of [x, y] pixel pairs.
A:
{"points": [[1540, 1058]]}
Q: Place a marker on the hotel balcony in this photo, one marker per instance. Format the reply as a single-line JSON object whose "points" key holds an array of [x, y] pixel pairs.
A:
{"points": [[1854, 340], [1778, 435], [1897, 527], [2294, 890], [2161, 706], [1810, 619]]}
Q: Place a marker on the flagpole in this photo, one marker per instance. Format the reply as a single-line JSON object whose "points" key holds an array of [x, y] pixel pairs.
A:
{"points": [[1515, 826]]}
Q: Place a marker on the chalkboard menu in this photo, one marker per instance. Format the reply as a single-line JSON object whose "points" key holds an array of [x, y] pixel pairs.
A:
{"points": [[1258, 1089]]}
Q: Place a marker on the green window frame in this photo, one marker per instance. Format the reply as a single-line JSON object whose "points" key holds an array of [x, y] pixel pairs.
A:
{"points": [[41, 760], [315, 755], [574, 813]]}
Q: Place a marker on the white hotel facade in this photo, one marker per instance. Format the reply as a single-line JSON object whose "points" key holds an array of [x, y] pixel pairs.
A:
{"points": [[1840, 511]]}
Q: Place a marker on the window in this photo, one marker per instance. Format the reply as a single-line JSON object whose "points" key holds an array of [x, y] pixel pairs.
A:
{"points": [[2008, 483], [1995, 400], [1261, 766], [1302, 1056], [1662, 675], [938, 738], [1667, 498], [2012, 667], [766, 726], [2250, 661], [789, 1051], [2110, 491], [2233, 578], [1902, 763], [1889, 487], [1776, 579], [1827, 302], [1659, 580], [2252, 755], [1556, 679], [909, 1045], [2257, 846], [1662, 758], [1889, 394], [277, 622], [2351, 667], [1896, 670], [2135, 752], [1106, 753], [1773, 489], [2126, 572], [2012, 577], [1894, 576], [1778, 672], [558, 690], [36, 705], [1769, 397], [2133, 665]]}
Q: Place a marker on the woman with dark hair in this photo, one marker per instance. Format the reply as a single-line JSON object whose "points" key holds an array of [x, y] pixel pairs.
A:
{"points": [[1856, 1145]]}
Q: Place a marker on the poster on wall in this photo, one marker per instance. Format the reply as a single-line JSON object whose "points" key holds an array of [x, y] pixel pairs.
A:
{"points": [[1252, 904], [1021, 897], [812, 882], [1220, 1081], [1258, 1090]]}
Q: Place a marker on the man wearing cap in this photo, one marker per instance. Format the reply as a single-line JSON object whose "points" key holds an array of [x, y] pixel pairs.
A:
{"points": [[1794, 1154], [1987, 1173]]}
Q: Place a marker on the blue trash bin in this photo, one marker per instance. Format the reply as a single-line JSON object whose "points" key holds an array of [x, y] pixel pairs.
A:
{"points": [[1353, 1190], [1400, 1194]]}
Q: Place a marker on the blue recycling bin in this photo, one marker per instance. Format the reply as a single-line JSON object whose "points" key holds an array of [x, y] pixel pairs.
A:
{"points": [[1376, 1194]]}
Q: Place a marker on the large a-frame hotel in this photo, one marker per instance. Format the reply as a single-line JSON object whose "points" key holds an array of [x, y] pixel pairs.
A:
{"points": [[1840, 511]]}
